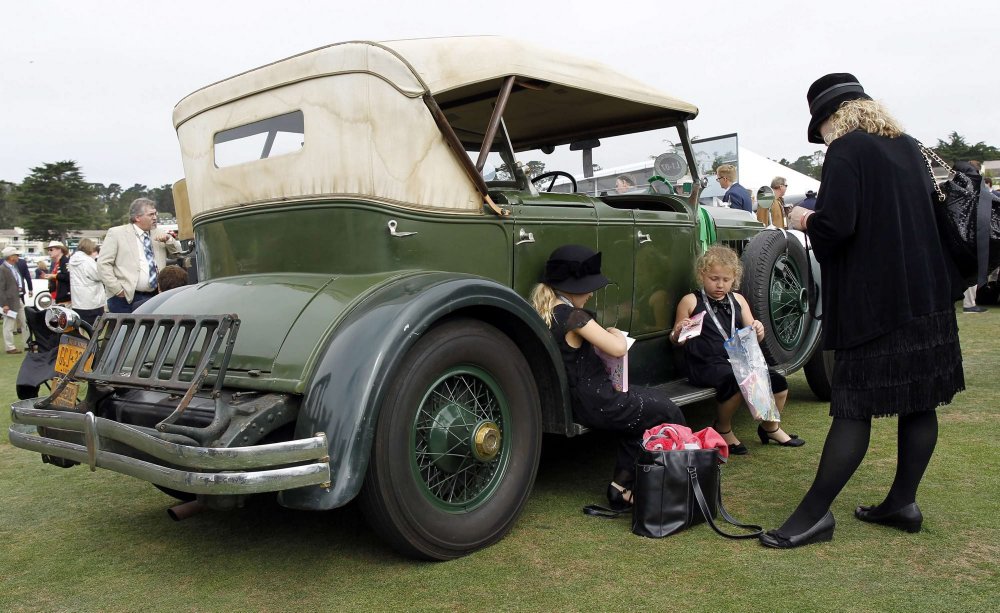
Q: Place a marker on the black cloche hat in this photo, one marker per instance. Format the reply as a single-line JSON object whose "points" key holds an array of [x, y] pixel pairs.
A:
{"points": [[825, 96], [574, 269]]}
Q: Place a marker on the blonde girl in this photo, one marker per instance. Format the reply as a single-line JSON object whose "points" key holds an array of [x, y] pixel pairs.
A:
{"points": [[572, 275], [718, 271]]}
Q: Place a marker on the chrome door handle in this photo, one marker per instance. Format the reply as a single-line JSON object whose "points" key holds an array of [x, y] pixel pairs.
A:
{"points": [[525, 237], [392, 229], [643, 238]]}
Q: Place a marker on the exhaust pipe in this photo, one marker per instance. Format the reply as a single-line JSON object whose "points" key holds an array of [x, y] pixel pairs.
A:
{"points": [[185, 510]]}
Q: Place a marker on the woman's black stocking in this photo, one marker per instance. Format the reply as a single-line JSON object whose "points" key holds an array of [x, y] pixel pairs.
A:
{"points": [[845, 447], [917, 438]]}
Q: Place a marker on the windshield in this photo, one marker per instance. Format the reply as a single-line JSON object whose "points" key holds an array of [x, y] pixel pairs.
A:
{"points": [[631, 163]]}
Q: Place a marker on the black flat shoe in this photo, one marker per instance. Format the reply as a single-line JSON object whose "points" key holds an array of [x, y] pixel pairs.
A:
{"points": [[619, 498], [821, 532], [736, 449], [765, 437], [908, 518]]}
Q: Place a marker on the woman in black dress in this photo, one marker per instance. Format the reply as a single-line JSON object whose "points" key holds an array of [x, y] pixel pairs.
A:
{"points": [[572, 275], [888, 305]]}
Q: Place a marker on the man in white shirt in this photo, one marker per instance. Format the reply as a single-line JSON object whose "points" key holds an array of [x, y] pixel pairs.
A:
{"points": [[131, 255], [10, 296]]}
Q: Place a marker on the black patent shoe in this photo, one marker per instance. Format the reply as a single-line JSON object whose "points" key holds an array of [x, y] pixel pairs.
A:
{"points": [[821, 532], [765, 437], [908, 518], [619, 498]]}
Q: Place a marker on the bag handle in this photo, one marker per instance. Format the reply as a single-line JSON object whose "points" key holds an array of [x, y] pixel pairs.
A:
{"points": [[703, 504]]}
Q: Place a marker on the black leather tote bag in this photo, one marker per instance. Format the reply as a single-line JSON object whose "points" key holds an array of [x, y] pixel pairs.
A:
{"points": [[677, 489]]}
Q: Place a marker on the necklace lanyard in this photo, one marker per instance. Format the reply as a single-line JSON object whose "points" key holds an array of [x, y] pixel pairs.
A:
{"points": [[715, 320], [565, 300]]}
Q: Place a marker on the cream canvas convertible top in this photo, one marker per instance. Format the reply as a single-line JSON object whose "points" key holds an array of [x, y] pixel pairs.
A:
{"points": [[369, 134]]}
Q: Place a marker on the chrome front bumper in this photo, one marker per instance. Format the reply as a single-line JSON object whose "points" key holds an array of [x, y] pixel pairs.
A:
{"points": [[212, 470]]}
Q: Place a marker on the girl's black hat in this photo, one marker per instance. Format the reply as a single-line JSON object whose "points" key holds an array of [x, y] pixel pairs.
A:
{"points": [[825, 96], [574, 269]]}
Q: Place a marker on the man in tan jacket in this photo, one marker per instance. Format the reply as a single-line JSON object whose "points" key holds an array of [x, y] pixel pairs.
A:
{"points": [[131, 256]]}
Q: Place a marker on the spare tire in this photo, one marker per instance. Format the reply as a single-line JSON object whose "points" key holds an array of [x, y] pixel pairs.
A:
{"points": [[774, 284]]}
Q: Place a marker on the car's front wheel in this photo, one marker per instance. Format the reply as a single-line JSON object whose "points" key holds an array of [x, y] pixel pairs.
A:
{"points": [[456, 445]]}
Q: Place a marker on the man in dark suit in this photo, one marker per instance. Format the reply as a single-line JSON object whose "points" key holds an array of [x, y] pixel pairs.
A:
{"points": [[22, 267], [737, 196]]}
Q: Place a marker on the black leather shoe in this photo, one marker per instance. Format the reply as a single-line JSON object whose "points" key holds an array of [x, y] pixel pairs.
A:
{"points": [[908, 518], [765, 437], [619, 499], [821, 532]]}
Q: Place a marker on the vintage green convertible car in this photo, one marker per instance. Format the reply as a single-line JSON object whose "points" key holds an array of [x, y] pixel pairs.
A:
{"points": [[343, 224]]}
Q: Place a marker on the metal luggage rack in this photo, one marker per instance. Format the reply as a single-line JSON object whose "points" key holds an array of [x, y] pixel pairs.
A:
{"points": [[168, 353]]}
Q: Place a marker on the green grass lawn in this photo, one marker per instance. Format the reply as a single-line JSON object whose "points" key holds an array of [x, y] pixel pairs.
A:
{"points": [[82, 541]]}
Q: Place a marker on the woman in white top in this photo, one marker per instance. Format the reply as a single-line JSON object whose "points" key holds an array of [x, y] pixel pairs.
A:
{"points": [[88, 296]]}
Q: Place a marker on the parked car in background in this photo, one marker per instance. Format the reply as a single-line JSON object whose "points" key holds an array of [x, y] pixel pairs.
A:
{"points": [[378, 281]]}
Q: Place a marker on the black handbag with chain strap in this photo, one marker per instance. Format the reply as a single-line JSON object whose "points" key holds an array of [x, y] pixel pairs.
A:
{"points": [[968, 221]]}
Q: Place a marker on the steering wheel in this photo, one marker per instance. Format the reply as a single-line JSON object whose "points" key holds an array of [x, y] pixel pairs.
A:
{"points": [[551, 176]]}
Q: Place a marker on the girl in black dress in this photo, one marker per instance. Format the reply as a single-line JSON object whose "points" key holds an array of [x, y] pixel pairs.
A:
{"points": [[572, 275], [718, 271]]}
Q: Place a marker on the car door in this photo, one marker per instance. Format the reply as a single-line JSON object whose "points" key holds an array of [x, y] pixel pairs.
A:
{"points": [[541, 224], [665, 252]]}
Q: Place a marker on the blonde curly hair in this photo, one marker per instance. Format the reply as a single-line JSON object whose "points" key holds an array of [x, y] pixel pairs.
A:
{"points": [[867, 115], [719, 255]]}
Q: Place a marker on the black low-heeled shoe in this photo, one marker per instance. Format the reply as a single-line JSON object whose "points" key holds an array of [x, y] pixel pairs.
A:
{"points": [[738, 448], [820, 532], [765, 437], [907, 518], [619, 499]]}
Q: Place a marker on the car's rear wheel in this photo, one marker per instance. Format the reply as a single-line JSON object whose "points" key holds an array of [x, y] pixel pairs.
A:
{"points": [[774, 284], [456, 445]]}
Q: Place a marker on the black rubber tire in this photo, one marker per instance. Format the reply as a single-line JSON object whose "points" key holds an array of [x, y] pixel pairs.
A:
{"points": [[396, 501], [768, 257], [819, 373]]}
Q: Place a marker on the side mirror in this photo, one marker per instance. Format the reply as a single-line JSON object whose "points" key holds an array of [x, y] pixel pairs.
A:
{"points": [[765, 197]]}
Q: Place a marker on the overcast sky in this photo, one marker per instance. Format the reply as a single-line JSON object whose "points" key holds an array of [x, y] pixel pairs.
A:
{"points": [[96, 81]]}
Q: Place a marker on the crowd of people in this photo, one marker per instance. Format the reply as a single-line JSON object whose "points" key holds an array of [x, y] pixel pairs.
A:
{"points": [[126, 270]]}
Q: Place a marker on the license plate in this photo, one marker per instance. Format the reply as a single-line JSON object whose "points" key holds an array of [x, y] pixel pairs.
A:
{"points": [[70, 350], [68, 397]]}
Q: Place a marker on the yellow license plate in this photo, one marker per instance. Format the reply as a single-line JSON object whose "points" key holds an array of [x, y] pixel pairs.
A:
{"points": [[70, 350]]}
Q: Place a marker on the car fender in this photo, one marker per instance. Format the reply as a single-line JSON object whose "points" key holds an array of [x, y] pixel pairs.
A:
{"points": [[345, 392]]}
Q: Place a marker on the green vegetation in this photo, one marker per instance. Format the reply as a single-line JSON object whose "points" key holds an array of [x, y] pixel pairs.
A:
{"points": [[54, 201], [81, 541]]}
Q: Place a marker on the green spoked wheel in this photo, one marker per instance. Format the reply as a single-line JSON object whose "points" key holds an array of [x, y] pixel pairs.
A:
{"points": [[456, 445], [460, 452], [775, 286]]}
